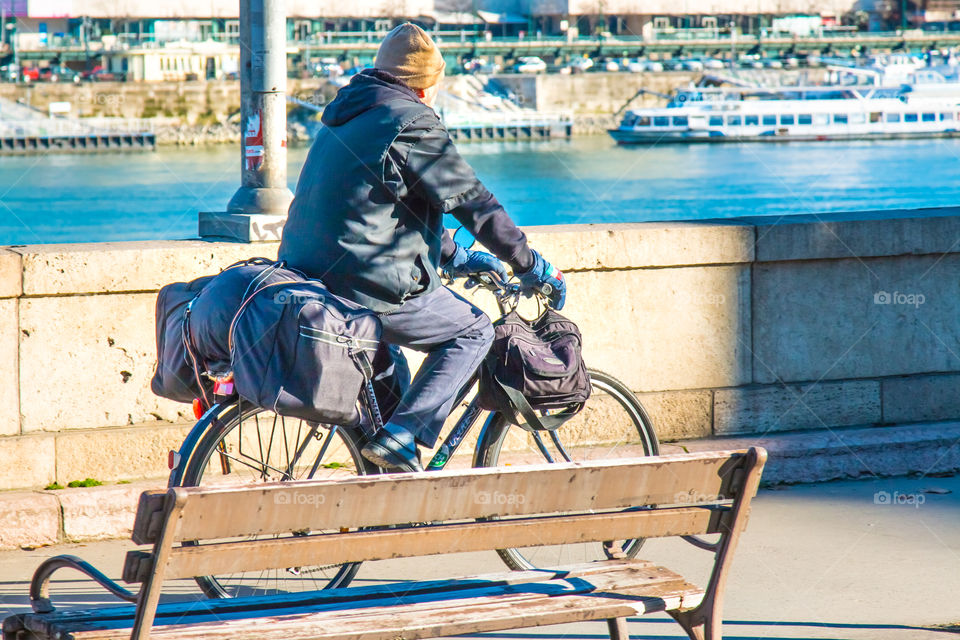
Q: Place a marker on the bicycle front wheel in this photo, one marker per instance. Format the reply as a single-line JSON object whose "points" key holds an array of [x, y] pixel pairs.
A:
{"points": [[613, 424], [249, 445]]}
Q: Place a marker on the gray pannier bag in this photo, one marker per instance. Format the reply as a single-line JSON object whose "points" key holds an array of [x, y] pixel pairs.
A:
{"points": [[301, 351]]}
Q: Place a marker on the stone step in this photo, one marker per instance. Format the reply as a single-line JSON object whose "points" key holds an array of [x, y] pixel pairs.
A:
{"points": [[39, 518], [836, 454]]}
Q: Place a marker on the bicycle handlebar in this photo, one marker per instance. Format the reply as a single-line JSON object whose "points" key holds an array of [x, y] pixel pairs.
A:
{"points": [[507, 293]]}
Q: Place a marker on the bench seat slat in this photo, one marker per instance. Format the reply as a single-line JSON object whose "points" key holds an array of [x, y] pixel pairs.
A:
{"points": [[493, 615], [257, 555], [356, 594], [629, 589]]}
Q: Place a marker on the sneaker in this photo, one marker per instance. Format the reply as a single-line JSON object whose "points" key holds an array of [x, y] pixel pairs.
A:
{"points": [[393, 449]]}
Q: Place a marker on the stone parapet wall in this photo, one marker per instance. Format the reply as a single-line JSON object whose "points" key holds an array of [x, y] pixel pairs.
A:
{"points": [[722, 328]]}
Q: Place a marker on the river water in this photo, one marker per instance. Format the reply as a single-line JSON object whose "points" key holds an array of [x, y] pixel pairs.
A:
{"points": [[91, 198]]}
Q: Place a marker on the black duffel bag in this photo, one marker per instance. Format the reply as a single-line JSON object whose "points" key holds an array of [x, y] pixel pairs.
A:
{"points": [[179, 370], [534, 367], [301, 351], [212, 313]]}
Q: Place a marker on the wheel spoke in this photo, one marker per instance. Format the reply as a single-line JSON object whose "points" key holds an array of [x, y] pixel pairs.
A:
{"points": [[300, 449], [323, 451], [287, 456], [613, 423], [260, 467]]}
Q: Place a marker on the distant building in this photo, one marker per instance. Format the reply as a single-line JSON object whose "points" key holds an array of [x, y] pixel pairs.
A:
{"points": [[175, 61], [642, 17], [38, 23]]}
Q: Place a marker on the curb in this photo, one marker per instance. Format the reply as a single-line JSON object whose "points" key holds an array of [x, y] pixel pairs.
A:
{"points": [[39, 518], [843, 454]]}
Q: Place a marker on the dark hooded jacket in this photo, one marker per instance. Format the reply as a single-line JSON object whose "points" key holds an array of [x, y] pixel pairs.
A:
{"points": [[367, 216]]}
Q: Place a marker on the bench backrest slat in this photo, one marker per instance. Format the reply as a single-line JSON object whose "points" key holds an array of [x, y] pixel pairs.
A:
{"points": [[215, 513], [361, 546]]}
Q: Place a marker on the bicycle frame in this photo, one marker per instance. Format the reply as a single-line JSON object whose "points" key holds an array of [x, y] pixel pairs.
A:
{"points": [[449, 446], [456, 436]]}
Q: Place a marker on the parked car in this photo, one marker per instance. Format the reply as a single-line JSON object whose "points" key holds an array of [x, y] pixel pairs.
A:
{"points": [[30, 74], [714, 63], [480, 65], [10, 72], [59, 73], [328, 68], [611, 65], [101, 74], [530, 64], [772, 63], [580, 65], [691, 65]]}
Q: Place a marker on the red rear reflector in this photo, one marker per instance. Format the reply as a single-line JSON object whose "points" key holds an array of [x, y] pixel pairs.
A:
{"points": [[173, 459], [197, 408]]}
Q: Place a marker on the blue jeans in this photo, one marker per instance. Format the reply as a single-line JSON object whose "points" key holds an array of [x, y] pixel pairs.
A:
{"points": [[454, 334]]}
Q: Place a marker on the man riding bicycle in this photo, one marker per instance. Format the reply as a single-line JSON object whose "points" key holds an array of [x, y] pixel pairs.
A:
{"points": [[367, 219]]}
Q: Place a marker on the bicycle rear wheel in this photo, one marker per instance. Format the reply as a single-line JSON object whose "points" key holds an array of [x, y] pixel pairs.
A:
{"points": [[613, 424], [249, 445]]}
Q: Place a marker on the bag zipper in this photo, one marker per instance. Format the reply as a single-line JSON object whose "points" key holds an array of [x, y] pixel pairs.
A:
{"points": [[336, 339]]}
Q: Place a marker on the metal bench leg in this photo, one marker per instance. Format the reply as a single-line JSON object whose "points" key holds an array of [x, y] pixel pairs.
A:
{"points": [[618, 628]]}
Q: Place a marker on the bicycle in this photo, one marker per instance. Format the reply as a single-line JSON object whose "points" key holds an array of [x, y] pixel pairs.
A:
{"points": [[235, 441]]}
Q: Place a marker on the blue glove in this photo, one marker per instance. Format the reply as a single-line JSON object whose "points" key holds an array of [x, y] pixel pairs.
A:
{"points": [[544, 278], [465, 262]]}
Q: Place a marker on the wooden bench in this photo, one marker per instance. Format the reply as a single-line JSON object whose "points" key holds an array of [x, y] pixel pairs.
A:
{"points": [[681, 495]]}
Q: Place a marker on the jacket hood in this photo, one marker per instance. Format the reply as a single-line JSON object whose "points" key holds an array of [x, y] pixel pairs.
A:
{"points": [[366, 90]]}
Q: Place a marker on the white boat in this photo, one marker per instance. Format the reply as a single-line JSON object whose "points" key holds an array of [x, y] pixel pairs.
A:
{"points": [[928, 106]]}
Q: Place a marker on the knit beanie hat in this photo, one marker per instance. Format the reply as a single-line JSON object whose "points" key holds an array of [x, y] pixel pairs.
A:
{"points": [[411, 55]]}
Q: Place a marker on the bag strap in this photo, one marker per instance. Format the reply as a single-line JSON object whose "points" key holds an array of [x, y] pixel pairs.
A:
{"points": [[533, 421], [187, 338], [363, 362], [243, 306], [261, 278], [249, 261]]}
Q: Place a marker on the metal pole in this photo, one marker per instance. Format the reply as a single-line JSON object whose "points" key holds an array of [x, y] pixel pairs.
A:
{"points": [[263, 110]]}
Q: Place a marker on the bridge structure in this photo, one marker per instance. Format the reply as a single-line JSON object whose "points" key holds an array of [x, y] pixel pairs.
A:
{"points": [[665, 45]]}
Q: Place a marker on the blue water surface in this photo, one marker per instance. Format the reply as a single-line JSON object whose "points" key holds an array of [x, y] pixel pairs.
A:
{"points": [[137, 196]]}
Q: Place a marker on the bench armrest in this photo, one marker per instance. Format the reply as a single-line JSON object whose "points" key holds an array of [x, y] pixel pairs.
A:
{"points": [[40, 585]]}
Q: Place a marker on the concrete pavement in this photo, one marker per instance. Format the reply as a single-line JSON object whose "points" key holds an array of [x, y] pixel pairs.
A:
{"points": [[869, 559]]}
